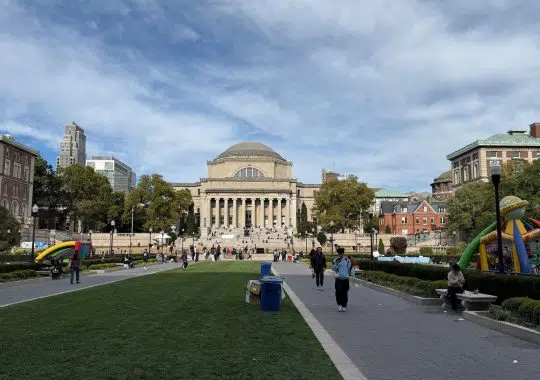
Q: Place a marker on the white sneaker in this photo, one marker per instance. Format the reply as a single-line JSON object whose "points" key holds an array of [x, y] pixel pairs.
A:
{"points": [[321, 288], [343, 309], [339, 308]]}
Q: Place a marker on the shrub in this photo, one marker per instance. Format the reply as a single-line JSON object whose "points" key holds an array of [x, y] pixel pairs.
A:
{"points": [[426, 251], [513, 304], [17, 275], [410, 285], [8, 268], [503, 286], [398, 244]]}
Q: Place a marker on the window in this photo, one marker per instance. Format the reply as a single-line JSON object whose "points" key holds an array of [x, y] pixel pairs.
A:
{"points": [[494, 154], [417, 220], [23, 209], [475, 170], [432, 221], [7, 167], [537, 155], [515, 154], [15, 191], [425, 221], [475, 156], [27, 174], [403, 220], [443, 220], [425, 209], [404, 209], [17, 170], [456, 177], [465, 174], [249, 173]]}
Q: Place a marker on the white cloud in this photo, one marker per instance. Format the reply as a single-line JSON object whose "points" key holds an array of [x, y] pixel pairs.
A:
{"points": [[384, 89]]}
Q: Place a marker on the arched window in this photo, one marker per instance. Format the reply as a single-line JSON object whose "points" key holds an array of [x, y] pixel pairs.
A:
{"points": [[5, 204], [15, 208], [249, 173], [23, 209]]}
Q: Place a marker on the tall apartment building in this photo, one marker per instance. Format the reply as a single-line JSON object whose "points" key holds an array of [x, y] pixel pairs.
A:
{"points": [[16, 177], [120, 176], [472, 162], [72, 147]]}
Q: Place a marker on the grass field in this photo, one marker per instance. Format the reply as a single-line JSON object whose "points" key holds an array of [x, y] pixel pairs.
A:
{"points": [[178, 324]]}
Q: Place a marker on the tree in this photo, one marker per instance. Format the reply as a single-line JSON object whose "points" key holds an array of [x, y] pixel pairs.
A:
{"points": [[381, 247], [48, 194], [156, 204], [529, 187], [9, 230], [343, 202], [303, 226], [189, 224], [471, 209], [88, 196], [321, 238], [387, 229], [116, 212]]}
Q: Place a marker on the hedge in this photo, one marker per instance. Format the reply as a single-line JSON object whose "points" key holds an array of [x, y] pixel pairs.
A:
{"points": [[503, 286], [410, 285], [17, 275], [524, 307]]}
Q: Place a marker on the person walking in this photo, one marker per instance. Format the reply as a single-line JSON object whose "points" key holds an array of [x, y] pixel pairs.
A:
{"points": [[313, 251], [343, 267], [145, 258], [74, 265], [184, 259], [318, 263]]}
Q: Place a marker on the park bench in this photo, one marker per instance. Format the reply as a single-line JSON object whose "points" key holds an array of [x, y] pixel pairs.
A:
{"points": [[471, 301]]}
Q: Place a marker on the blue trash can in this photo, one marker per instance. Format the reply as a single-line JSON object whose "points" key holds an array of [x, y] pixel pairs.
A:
{"points": [[271, 293], [266, 269]]}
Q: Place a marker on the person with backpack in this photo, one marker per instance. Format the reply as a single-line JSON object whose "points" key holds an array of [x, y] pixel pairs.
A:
{"points": [[74, 265], [318, 263], [343, 267]]}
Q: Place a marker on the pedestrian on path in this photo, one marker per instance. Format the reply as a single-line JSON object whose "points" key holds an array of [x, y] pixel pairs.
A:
{"points": [[145, 258], [343, 267], [318, 263], [74, 265]]}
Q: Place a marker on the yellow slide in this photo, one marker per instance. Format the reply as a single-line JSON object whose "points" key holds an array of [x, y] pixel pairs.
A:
{"points": [[55, 250]]}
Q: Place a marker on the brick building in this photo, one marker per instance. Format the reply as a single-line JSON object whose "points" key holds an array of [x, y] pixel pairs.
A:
{"points": [[410, 217], [16, 177], [472, 162]]}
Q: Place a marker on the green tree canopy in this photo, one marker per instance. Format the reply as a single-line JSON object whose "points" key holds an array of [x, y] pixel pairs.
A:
{"points": [[303, 226], [88, 196], [343, 202], [48, 194], [380, 248], [156, 204], [321, 238], [9, 230]]}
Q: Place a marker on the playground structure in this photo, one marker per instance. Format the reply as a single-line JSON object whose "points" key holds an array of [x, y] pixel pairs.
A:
{"points": [[63, 251], [521, 240]]}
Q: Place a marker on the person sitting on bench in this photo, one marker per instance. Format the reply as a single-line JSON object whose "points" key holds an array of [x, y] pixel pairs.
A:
{"points": [[56, 270], [455, 285]]}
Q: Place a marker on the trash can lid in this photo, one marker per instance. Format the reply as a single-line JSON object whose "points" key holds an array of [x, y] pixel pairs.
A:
{"points": [[272, 279]]}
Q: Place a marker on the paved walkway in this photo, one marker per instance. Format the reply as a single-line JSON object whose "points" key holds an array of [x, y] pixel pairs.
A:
{"points": [[390, 338], [22, 291]]}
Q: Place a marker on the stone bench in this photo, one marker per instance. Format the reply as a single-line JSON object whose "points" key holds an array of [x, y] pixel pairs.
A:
{"points": [[471, 301]]}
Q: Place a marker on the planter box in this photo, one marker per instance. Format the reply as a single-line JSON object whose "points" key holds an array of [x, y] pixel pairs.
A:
{"points": [[518, 331], [414, 299]]}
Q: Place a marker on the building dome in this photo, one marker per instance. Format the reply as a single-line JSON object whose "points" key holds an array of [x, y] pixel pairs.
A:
{"points": [[250, 149]]}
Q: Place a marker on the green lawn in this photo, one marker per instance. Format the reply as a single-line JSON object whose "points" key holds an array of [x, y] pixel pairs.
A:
{"points": [[191, 324]]}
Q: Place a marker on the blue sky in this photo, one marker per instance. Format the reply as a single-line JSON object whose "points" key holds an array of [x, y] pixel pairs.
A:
{"points": [[383, 89]]}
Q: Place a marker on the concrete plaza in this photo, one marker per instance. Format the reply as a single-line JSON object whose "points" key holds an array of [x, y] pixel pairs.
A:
{"points": [[389, 338]]}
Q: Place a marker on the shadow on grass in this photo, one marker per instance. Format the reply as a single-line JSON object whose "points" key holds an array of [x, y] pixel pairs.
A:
{"points": [[191, 324]]}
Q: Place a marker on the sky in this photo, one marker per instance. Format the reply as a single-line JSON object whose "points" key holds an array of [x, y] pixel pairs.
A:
{"points": [[380, 89]]}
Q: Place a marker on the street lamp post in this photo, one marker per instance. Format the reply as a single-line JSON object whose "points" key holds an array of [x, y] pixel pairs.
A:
{"points": [[112, 236], [371, 232], [496, 179], [305, 237], [182, 240], [90, 240], [454, 233], [35, 210], [193, 241], [312, 237], [150, 241], [332, 237]]}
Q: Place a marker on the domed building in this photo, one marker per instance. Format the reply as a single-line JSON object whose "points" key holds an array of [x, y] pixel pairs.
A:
{"points": [[249, 185]]}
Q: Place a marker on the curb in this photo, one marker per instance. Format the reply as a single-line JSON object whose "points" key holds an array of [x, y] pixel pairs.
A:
{"points": [[414, 299], [345, 366], [508, 328]]}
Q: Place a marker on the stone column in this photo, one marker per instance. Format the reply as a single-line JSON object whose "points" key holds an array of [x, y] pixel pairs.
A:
{"points": [[294, 207], [234, 214], [271, 212], [226, 204], [209, 219], [279, 213], [287, 210], [242, 213], [261, 213], [218, 211]]}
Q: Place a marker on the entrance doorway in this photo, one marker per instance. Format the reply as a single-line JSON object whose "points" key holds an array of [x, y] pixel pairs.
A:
{"points": [[248, 218]]}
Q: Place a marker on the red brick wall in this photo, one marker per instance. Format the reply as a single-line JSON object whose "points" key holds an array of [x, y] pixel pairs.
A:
{"points": [[411, 226]]}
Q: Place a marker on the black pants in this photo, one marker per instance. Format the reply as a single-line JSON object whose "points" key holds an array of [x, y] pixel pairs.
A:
{"points": [[319, 277], [452, 294], [342, 292]]}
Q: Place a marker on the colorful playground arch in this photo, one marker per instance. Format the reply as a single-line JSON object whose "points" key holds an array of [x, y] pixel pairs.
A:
{"points": [[64, 250], [521, 240]]}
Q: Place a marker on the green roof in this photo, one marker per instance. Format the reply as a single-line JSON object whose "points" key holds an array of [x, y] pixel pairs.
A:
{"points": [[516, 139], [387, 193]]}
